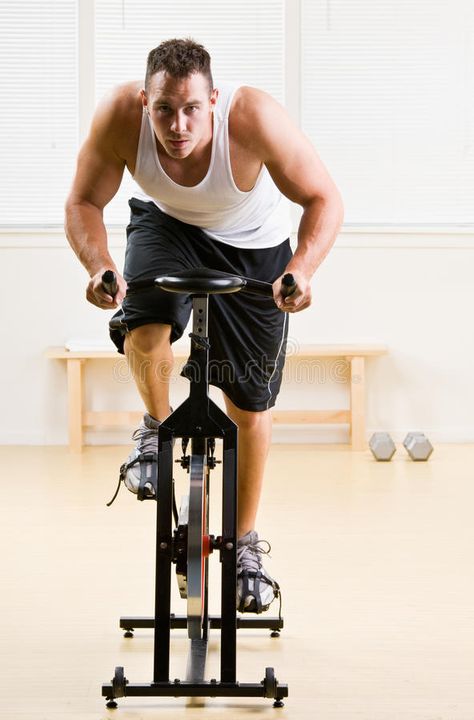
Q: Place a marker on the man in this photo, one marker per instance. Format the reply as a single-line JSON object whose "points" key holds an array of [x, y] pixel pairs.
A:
{"points": [[214, 168]]}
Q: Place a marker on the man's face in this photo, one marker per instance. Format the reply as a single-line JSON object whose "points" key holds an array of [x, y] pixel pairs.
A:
{"points": [[180, 110]]}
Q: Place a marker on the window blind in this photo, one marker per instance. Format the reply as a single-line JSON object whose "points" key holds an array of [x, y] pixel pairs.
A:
{"points": [[388, 100], [39, 113]]}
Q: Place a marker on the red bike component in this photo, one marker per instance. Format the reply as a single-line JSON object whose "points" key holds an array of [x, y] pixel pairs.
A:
{"points": [[206, 545]]}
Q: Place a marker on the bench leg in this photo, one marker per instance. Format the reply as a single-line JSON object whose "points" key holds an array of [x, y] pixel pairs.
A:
{"points": [[358, 440], [74, 390]]}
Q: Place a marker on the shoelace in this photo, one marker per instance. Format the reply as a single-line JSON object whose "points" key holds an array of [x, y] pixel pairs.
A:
{"points": [[148, 438], [250, 555]]}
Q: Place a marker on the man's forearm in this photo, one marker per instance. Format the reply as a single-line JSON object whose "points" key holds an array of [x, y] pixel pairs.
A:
{"points": [[317, 232], [86, 233]]}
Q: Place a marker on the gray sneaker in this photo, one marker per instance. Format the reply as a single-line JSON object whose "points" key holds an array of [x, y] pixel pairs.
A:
{"points": [[256, 590], [139, 472]]}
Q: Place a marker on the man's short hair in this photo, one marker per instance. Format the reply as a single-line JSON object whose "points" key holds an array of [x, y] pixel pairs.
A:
{"points": [[179, 58]]}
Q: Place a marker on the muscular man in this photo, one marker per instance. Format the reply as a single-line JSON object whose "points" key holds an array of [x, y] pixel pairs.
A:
{"points": [[213, 168]]}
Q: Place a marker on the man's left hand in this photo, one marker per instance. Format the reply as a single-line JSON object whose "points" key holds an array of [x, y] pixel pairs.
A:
{"points": [[299, 299]]}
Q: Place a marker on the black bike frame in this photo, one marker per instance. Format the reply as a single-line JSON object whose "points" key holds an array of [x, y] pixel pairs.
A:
{"points": [[198, 418]]}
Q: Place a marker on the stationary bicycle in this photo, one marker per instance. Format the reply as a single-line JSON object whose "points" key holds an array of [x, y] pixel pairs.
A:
{"points": [[182, 538]]}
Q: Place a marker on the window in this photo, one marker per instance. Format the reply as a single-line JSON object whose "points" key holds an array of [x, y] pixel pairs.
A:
{"points": [[386, 92], [388, 100], [39, 116]]}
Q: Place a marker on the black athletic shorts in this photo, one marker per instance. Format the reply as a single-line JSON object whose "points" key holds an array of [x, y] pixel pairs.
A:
{"points": [[247, 332]]}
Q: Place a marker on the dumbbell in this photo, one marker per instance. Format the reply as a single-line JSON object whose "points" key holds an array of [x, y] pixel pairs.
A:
{"points": [[382, 446], [418, 446]]}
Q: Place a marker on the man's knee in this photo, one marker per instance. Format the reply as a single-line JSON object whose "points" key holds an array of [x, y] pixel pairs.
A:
{"points": [[149, 340], [247, 419]]}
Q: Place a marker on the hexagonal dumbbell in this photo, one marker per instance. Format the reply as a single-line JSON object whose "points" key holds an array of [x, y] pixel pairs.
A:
{"points": [[418, 446], [382, 446]]}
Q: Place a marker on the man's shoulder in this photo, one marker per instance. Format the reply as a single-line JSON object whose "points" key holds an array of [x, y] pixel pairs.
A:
{"points": [[117, 119], [252, 114], [122, 102], [248, 99], [252, 106]]}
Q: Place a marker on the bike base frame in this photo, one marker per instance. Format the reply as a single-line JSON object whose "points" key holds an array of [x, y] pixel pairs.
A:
{"points": [[200, 419], [211, 689]]}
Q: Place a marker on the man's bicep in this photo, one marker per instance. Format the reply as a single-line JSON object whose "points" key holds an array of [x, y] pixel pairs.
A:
{"points": [[98, 176], [297, 170], [287, 152]]}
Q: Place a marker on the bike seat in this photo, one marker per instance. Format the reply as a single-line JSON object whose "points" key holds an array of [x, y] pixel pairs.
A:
{"points": [[200, 281]]}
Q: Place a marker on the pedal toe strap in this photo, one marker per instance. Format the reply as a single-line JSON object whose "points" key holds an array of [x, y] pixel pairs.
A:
{"points": [[257, 577], [123, 469], [146, 460]]}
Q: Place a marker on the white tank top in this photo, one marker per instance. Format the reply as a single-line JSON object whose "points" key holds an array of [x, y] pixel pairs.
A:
{"points": [[259, 218]]}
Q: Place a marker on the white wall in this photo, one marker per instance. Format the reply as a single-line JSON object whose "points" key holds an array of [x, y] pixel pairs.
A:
{"points": [[391, 118], [410, 289]]}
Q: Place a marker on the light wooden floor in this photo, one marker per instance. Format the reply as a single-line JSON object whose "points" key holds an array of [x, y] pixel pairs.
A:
{"points": [[375, 563]]}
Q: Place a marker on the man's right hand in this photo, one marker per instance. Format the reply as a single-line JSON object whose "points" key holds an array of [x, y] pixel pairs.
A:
{"points": [[96, 294]]}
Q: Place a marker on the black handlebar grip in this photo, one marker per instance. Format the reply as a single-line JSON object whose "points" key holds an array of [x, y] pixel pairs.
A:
{"points": [[109, 283], [288, 285]]}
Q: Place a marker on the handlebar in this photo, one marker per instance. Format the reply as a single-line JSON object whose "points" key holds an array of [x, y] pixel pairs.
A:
{"points": [[109, 283], [258, 287], [288, 285], [200, 281]]}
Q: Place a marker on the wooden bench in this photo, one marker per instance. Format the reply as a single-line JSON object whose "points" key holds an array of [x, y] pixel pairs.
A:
{"points": [[355, 354]]}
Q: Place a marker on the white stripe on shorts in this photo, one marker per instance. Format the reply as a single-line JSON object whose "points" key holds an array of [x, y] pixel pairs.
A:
{"points": [[280, 348]]}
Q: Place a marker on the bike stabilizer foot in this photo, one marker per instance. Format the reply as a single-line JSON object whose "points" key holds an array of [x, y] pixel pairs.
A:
{"points": [[272, 690]]}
